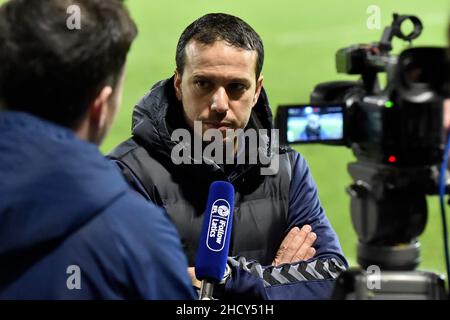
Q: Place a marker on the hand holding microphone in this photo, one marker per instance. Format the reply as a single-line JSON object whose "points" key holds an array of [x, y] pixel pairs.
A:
{"points": [[214, 243]]}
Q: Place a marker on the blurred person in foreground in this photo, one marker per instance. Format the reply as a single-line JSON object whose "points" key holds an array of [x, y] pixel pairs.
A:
{"points": [[70, 227]]}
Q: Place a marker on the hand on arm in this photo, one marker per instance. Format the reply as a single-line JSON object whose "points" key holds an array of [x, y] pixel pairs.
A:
{"points": [[296, 246]]}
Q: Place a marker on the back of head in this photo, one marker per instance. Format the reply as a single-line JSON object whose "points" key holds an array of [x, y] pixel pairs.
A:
{"points": [[221, 27], [56, 55]]}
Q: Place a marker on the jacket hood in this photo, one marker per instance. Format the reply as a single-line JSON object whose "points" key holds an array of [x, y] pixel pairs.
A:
{"points": [[159, 112], [51, 184]]}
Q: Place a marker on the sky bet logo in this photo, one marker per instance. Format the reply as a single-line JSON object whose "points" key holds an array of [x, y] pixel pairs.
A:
{"points": [[218, 224]]}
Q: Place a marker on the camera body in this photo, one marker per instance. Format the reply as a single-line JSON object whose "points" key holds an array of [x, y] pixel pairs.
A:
{"points": [[396, 133], [400, 124]]}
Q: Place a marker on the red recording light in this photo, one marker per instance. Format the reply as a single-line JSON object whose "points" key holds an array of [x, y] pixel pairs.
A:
{"points": [[392, 159]]}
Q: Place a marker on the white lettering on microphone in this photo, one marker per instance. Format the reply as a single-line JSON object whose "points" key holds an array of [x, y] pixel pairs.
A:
{"points": [[220, 232], [219, 222], [213, 229]]}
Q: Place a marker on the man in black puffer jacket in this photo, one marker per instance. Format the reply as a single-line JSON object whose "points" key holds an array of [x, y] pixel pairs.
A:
{"points": [[278, 218]]}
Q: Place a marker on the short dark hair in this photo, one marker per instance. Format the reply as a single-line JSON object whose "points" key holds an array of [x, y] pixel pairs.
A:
{"points": [[220, 26], [54, 72]]}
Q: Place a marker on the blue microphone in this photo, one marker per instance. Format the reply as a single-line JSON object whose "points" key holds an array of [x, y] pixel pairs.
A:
{"points": [[212, 252]]}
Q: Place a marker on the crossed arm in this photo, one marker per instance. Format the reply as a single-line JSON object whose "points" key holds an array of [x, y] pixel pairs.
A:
{"points": [[296, 246], [303, 280], [309, 257]]}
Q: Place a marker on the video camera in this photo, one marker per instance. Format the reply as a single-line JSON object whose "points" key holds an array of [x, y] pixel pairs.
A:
{"points": [[396, 133], [400, 123]]}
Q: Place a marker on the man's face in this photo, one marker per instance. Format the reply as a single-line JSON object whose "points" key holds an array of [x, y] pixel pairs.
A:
{"points": [[218, 86]]}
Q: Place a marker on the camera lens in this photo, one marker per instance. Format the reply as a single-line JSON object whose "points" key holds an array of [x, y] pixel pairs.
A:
{"points": [[423, 67]]}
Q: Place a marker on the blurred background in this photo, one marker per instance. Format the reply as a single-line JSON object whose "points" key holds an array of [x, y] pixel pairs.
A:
{"points": [[300, 38]]}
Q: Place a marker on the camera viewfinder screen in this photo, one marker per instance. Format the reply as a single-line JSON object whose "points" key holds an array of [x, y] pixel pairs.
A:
{"points": [[309, 123]]}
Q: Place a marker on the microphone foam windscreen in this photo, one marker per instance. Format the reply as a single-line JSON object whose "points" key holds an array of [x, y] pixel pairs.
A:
{"points": [[212, 251]]}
